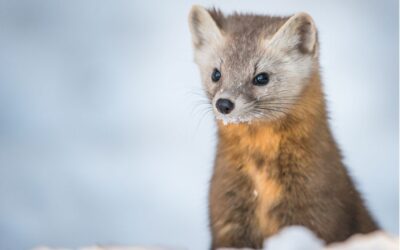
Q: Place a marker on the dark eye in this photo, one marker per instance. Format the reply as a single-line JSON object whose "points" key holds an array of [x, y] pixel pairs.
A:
{"points": [[261, 79], [216, 75]]}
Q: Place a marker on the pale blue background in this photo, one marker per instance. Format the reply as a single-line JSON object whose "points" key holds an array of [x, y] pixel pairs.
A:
{"points": [[102, 139]]}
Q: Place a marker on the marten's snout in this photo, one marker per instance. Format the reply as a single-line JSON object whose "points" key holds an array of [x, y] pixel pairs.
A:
{"points": [[224, 106]]}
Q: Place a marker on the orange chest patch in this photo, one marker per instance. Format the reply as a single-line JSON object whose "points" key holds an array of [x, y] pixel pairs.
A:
{"points": [[256, 150], [268, 193]]}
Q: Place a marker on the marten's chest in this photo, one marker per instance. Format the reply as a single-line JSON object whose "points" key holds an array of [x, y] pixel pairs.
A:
{"points": [[267, 192], [245, 188], [244, 193]]}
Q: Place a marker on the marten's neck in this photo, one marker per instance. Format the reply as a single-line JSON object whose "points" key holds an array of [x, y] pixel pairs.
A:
{"points": [[306, 124]]}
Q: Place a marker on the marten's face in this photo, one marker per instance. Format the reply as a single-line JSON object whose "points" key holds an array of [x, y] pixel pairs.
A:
{"points": [[253, 67]]}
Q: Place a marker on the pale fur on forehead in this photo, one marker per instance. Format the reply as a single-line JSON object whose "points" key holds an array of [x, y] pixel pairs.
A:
{"points": [[247, 25]]}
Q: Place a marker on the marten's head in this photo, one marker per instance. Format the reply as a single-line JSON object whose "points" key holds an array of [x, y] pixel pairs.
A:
{"points": [[253, 67]]}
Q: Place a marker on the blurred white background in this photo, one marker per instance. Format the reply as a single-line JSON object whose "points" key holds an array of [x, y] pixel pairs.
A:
{"points": [[102, 139]]}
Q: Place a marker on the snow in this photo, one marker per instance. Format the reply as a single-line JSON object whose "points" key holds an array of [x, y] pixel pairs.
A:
{"points": [[108, 248], [291, 238], [374, 241], [301, 238], [294, 238]]}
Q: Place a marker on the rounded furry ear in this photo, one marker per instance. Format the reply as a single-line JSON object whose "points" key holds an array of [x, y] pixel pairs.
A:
{"points": [[298, 32], [203, 27]]}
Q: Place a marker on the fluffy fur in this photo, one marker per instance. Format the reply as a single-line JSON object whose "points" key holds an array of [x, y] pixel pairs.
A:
{"points": [[277, 163]]}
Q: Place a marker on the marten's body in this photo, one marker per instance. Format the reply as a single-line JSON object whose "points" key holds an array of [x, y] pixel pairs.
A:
{"points": [[271, 175], [277, 163]]}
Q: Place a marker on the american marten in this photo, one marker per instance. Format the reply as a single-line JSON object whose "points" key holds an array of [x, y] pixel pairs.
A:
{"points": [[277, 163]]}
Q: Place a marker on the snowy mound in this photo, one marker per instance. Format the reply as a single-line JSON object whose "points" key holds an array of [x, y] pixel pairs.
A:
{"points": [[301, 238], [291, 238]]}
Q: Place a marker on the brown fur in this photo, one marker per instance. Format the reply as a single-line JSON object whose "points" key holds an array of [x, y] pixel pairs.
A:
{"points": [[283, 168], [295, 167]]}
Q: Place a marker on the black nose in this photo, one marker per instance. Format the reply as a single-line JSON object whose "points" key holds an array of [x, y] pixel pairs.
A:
{"points": [[224, 106]]}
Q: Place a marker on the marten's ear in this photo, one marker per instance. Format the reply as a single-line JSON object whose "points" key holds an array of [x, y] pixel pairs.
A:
{"points": [[299, 32], [203, 27]]}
